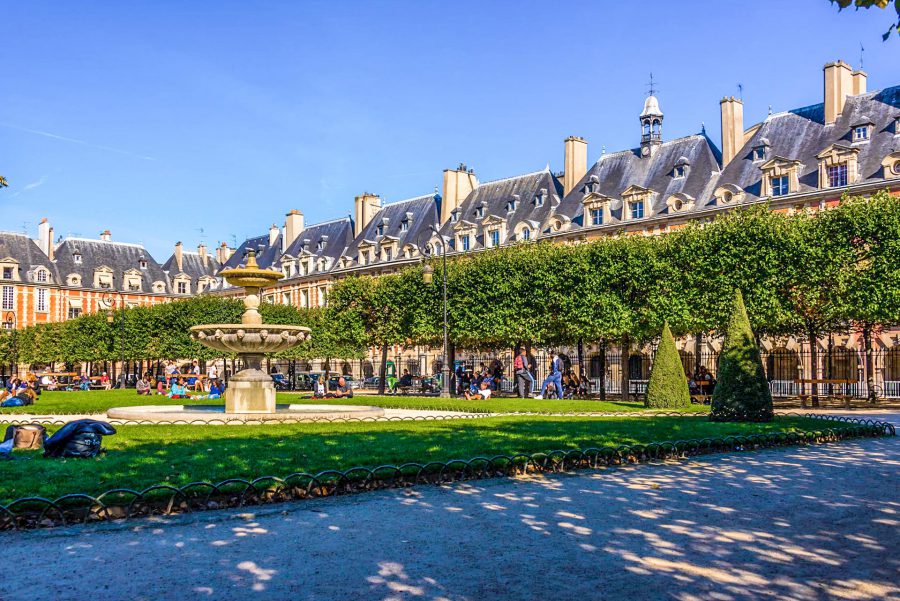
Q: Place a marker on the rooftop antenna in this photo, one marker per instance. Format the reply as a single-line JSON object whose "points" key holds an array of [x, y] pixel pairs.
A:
{"points": [[770, 109], [603, 150], [652, 89], [703, 128], [233, 241], [862, 51], [741, 92]]}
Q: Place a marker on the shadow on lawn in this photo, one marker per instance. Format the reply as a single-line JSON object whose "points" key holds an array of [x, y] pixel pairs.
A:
{"points": [[818, 522], [143, 456]]}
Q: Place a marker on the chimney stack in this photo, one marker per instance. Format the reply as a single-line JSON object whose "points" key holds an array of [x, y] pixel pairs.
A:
{"points": [[179, 256], [201, 250], [575, 162], [45, 237], [732, 127], [273, 234], [293, 225], [105, 236], [838, 85], [223, 253], [366, 205], [859, 82], [458, 184]]}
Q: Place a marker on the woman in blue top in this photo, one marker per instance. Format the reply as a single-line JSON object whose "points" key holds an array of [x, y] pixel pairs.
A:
{"points": [[178, 390]]}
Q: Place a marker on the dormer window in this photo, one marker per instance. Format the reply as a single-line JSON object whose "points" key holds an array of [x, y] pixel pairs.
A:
{"points": [[637, 209], [526, 234], [681, 167], [837, 175], [388, 253], [780, 185], [539, 198], [759, 153], [454, 216], [76, 258], [597, 216], [320, 245], [862, 129], [479, 212], [464, 243], [404, 225], [7, 273], [42, 276], [511, 206], [379, 230], [142, 264], [494, 236]]}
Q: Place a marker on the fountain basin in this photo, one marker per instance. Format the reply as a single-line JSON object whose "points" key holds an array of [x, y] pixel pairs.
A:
{"points": [[216, 414]]}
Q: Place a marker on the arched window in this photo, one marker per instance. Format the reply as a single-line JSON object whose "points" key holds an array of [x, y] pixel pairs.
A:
{"points": [[656, 126], [526, 234]]}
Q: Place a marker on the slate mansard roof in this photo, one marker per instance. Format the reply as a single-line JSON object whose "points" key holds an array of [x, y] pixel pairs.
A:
{"points": [[419, 213], [328, 239], [266, 254], [24, 250], [801, 134], [192, 265], [614, 173], [528, 199], [117, 256]]}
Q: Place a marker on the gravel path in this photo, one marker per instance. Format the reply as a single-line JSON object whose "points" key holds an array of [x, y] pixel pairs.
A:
{"points": [[818, 522]]}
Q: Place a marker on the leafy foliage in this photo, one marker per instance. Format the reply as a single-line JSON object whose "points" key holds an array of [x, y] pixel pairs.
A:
{"points": [[842, 4]]}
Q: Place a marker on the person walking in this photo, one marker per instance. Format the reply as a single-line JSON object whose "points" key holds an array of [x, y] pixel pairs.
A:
{"points": [[524, 379], [555, 377]]}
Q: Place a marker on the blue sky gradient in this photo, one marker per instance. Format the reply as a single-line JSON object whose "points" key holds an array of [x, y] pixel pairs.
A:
{"points": [[158, 119]]}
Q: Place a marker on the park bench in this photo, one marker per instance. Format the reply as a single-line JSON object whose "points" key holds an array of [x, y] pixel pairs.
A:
{"points": [[844, 395]]}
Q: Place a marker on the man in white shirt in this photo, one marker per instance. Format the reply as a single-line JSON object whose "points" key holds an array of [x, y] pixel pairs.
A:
{"points": [[484, 392]]}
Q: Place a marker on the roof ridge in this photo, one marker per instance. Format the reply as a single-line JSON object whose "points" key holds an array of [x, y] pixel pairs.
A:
{"points": [[398, 202], [115, 242], [325, 223], [4, 232], [506, 179]]}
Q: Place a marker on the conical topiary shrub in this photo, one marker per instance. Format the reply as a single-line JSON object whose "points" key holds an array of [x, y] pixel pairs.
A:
{"points": [[742, 392], [668, 385]]}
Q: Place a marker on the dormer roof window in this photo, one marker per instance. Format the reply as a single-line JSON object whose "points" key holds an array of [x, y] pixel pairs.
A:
{"points": [[76, 258], [681, 168], [454, 215], [379, 229], [862, 130], [322, 243], [479, 211], [142, 263], [759, 153], [41, 276], [540, 197], [404, 225], [512, 204]]}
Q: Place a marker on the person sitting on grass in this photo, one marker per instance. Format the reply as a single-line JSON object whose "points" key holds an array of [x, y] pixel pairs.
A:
{"points": [[484, 392], [160, 386], [342, 390], [216, 389], [25, 396], [143, 386], [178, 391]]}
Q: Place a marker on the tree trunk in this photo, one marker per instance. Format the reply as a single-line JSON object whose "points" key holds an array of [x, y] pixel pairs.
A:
{"points": [[382, 369], [870, 364], [814, 367], [698, 350], [623, 361]]}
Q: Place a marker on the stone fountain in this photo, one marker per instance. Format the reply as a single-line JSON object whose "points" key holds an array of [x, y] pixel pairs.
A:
{"points": [[250, 395]]}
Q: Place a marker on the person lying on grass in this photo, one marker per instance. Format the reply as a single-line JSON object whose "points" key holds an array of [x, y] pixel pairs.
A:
{"points": [[484, 392]]}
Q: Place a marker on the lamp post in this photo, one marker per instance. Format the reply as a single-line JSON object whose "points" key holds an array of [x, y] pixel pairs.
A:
{"points": [[9, 319], [428, 277], [110, 318]]}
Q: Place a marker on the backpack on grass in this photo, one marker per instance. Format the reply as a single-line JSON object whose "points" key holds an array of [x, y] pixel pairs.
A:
{"points": [[81, 438], [28, 436]]}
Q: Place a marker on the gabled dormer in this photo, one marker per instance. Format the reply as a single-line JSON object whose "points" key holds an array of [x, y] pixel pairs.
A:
{"points": [[597, 207], [861, 130], [103, 277], [540, 197], [838, 166], [9, 269], [133, 280], [780, 177], [636, 202]]}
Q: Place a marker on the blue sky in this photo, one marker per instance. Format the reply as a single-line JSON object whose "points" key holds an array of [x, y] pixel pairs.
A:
{"points": [[156, 119]]}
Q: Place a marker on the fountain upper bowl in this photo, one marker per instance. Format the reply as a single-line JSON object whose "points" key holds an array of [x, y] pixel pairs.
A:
{"points": [[248, 338]]}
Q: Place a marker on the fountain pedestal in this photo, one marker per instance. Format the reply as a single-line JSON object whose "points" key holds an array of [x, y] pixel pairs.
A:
{"points": [[251, 390]]}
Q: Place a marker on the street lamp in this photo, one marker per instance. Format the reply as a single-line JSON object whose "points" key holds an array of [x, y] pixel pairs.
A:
{"points": [[110, 319], [428, 278], [10, 320]]}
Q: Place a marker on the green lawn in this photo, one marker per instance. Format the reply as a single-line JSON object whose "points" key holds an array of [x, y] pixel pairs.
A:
{"points": [[98, 401], [140, 456]]}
